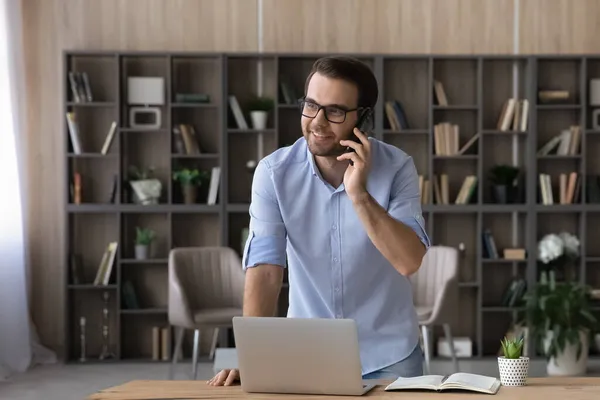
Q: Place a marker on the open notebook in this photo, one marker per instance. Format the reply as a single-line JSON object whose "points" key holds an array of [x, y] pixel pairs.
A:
{"points": [[459, 380]]}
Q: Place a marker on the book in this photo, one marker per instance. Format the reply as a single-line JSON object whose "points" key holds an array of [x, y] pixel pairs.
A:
{"points": [[457, 381]]}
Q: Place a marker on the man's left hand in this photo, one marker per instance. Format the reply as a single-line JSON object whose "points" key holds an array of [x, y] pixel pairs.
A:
{"points": [[355, 177]]}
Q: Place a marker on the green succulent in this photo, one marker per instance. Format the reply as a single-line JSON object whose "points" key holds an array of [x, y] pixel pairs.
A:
{"points": [[512, 348], [187, 176], [144, 236]]}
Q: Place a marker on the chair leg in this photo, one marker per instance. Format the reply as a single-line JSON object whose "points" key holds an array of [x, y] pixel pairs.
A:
{"points": [[215, 341], [195, 355], [450, 340], [426, 349], [179, 332]]}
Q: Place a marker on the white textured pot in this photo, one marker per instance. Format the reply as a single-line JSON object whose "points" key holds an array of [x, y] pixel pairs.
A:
{"points": [[259, 119], [142, 251], [513, 371], [566, 362]]}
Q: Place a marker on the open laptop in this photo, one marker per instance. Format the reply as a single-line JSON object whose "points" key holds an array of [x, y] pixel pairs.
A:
{"points": [[299, 355]]}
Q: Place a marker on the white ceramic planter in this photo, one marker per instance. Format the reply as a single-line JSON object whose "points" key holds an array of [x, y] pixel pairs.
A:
{"points": [[566, 362], [141, 252], [259, 119], [513, 371]]}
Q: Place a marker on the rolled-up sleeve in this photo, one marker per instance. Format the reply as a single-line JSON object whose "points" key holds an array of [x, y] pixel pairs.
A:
{"points": [[405, 200], [266, 243]]}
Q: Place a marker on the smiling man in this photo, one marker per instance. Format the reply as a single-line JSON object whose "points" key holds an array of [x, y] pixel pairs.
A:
{"points": [[345, 210]]}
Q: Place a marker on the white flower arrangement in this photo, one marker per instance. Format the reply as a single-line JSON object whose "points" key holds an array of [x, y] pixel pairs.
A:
{"points": [[555, 246]]}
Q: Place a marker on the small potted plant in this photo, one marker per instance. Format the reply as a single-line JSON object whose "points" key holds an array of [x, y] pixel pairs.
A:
{"points": [[190, 180], [513, 366], [143, 239], [259, 111], [503, 179]]}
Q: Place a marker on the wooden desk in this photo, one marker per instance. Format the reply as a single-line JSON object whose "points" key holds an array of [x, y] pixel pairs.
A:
{"points": [[580, 388]]}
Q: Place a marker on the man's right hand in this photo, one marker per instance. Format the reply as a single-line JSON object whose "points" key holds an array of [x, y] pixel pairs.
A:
{"points": [[225, 378]]}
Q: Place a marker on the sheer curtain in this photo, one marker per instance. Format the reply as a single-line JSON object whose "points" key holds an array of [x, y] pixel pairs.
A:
{"points": [[19, 345]]}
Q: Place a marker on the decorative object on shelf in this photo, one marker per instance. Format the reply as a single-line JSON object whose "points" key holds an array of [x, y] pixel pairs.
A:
{"points": [[561, 319], [560, 253], [594, 92], [504, 180], [192, 98], [143, 239], [145, 188], [514, 253], [106, 352], [82, 354], [513, 366], [596, 118], [143, 92], [190, 180], [251, 166], [259, 107]]}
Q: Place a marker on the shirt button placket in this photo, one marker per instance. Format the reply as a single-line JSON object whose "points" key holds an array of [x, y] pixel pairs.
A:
{"points": [[337, 265]]}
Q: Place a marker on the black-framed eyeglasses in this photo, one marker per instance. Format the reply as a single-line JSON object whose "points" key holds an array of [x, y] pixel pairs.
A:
{"points": [[334, 114]]}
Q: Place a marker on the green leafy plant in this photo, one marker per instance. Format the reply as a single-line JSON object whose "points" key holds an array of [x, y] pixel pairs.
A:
{"points": [[261, 103], [139, 174], [503, 174], [144, 236], [563, 308], [512, 348], [187, 176]]}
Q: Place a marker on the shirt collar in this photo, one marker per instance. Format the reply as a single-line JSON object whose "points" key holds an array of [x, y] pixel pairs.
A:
{"points": [[311, 161]]}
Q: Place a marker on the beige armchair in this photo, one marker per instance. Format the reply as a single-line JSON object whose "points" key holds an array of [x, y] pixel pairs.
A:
{"points": [[206, 289], [435, 294]]}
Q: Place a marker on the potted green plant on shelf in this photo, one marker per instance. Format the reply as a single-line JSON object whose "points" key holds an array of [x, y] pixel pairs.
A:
{"points": [[504, 183], [143, 239], [259, 107], [561, 321], [190, 180], [513, 366]]}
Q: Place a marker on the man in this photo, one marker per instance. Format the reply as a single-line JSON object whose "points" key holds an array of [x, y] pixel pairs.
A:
{"points": [[350, 222]]}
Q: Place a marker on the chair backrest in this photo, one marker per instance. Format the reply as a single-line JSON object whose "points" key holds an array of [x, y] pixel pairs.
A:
{"points": [[439, 266], [210, 277]]}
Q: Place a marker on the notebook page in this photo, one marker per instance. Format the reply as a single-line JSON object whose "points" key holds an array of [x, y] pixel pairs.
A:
{"points": [[464, 379], [425, 381]]}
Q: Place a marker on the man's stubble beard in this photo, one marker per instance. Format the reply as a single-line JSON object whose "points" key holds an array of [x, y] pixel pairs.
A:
{"points": [[331, 151]]}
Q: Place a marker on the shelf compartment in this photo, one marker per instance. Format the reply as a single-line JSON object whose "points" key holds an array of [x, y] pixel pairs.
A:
{"points": [[416, 146], [196, 76], [242, 82], [205, 126], [137, 336], [89, 236], [147, 154], [559, 74], [102, 76], [407, 82], [145, 65], [459, 79], [158, 223], [498, 150], [89, 305], [454, 229], [190, 230], [98, 180]]}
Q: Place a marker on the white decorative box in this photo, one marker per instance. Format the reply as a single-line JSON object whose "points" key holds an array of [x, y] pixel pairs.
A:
{"points": [[462, 346]]}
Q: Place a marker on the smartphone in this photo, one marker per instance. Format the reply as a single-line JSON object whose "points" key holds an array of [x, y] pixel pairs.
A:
{"points": [[363, 125]]}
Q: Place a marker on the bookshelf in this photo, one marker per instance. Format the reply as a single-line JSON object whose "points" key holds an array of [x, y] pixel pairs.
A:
{"points": [[197, 87]]}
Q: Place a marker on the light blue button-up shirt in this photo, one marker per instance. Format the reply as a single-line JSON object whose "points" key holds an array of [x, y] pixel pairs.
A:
{"points": [[334, 269]]}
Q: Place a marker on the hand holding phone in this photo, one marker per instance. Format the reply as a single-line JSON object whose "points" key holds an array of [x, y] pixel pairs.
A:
{"points": [[363, 125]]}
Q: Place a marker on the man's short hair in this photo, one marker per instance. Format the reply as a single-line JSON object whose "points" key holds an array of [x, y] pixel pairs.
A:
{"points": [[351, 70]]}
